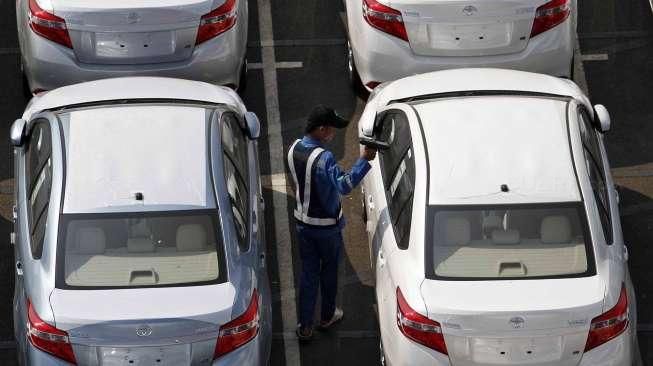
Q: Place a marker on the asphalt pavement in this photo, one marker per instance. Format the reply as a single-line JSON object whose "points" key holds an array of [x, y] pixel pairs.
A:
{"points": [[307, 44]]}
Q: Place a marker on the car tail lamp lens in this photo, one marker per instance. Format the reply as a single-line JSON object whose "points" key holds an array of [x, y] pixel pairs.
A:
{"points": [[384, 18], [549, 15], [48, 338], [217, 21], [48, 25], [240, 330], [418, 327], [610, 324]]}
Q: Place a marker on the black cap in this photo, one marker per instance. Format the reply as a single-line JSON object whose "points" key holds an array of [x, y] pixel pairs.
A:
{"points": [[324, 116]]}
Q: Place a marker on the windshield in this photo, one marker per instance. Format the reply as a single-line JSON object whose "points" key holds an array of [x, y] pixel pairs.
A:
{"points": [[140, 249], [517, 241]]}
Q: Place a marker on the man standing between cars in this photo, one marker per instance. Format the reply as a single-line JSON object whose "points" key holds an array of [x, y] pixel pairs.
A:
{"points": [[319, 182]]}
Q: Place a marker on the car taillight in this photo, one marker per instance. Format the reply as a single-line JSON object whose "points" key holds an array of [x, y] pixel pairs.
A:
{"points": [[48, 338], [384, 18], [418, 327], [48, 25], [609, 324], [549, 15], [217, 21], [240, 330]]}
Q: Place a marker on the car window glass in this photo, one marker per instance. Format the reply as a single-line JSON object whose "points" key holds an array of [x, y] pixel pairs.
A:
{"points": [[508, 241], [140, 249], [600, 191], [398, 171], [395, 131], [235, 168], [38, 170], [590, 139]]}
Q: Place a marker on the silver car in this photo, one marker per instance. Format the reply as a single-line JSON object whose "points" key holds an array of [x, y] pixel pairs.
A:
{"points": [[138, 227], [64, 42]]}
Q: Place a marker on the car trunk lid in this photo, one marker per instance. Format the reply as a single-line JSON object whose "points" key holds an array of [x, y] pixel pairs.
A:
{"points": [[147, 326], [534, 322], [124, 32], [467, 28]]}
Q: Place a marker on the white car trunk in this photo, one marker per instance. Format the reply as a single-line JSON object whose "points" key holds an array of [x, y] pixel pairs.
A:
{"points": [[162, 326], [467, 28], [525, 322], [140, 32]]}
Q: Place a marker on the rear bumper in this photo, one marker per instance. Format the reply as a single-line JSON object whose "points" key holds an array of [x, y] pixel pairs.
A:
{"points": [[48, 65], [251, 353], [617, 352], [36, 357], [380, 57]]}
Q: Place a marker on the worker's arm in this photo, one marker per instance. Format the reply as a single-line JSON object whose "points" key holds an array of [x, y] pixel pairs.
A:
{"points": [[342, 180]]}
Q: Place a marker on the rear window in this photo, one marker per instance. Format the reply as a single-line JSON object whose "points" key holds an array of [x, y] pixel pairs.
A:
{"points": [[110, 250], [509, 242]]}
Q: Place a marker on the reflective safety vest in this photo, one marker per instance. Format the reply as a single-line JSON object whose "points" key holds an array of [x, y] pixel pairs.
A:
{"points": [[301, 162]]}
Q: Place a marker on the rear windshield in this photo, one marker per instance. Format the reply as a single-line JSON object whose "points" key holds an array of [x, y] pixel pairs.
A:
{"points": [[112, 250], [540, 241]]}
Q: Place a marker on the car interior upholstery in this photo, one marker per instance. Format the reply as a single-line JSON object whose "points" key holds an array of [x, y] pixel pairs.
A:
{"points": [[521, 243], [97, 254]]}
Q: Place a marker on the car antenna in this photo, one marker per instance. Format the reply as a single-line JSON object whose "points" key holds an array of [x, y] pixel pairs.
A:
{"points": [[504, 188]]}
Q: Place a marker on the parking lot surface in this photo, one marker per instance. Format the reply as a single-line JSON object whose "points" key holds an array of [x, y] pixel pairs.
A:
{"points": [[297, 60]]}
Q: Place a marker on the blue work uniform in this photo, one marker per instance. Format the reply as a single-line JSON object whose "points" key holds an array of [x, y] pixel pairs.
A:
{"points": [[319, 183]]}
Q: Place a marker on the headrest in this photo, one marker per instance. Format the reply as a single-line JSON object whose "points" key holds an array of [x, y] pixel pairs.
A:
{"points": [[555, 230], [457, 231], [191, 237], [90, 240], [140, 245], [505, 236], [492, 222]]}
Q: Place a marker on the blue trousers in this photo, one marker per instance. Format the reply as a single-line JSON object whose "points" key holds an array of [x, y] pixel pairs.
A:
{"points": [[320, 252]]}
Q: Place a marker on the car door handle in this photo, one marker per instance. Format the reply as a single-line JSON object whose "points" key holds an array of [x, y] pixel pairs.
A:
{"points": [[262, 259], [370, 203], [381, 258], [625, 253], [19, 268]]}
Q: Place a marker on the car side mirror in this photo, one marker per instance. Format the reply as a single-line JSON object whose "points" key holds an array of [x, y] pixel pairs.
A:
{"points": [[17, 132], [372, 137], [603, 117], [253, 125]]}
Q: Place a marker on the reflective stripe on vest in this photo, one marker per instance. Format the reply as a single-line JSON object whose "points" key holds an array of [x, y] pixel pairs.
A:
{"points": [[302, 210]]}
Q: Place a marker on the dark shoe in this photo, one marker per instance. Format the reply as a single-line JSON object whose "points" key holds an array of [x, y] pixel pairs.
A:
{"points": [[304, 334], [337, 316]]}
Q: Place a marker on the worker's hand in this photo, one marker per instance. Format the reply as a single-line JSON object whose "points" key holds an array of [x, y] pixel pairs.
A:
{"points": [[368, 153]]}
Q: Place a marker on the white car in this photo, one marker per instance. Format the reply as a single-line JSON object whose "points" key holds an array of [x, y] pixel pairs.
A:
{"points": [[493, 223], [391, 39], [65, 42]]}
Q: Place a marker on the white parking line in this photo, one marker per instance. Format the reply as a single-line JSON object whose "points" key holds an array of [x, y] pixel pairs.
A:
{"points": [[279, 202], [595, 57], [278, 65]]}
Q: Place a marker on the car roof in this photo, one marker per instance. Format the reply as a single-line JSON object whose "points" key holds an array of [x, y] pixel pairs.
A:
{"points": [[478, 79], [477, 144], [130, 88], [159, 151]]}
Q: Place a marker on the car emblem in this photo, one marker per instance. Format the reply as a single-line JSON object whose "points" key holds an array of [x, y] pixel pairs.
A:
{"points": [[517, 322], [469, 10], [143, 331], [133, 18]]}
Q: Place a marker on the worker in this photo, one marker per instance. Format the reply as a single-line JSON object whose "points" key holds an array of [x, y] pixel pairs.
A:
{"points": [[319, 182]]}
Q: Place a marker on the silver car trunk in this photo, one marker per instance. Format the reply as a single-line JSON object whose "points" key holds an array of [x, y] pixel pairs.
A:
{"points": [[467, 28], [526, 322], [151, 326], [139, 32]]}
